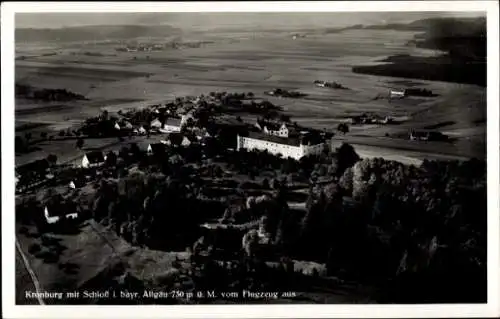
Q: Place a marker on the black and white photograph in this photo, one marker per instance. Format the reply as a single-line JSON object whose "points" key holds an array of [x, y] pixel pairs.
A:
{"points": [[251, 157]]}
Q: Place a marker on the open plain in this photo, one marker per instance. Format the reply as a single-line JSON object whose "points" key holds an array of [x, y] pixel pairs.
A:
{"points": [[257, 62], [98, 254]]}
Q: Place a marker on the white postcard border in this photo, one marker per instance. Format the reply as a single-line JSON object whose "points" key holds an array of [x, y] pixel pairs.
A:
{"points": [[240, 311]]}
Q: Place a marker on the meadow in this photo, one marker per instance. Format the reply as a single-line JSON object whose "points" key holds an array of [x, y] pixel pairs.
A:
{"points": [[258, 62]]}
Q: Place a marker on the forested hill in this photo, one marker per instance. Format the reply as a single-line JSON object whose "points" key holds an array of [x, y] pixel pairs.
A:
{"points": [[94, 33], [463, 42], [439, 26], [460, 37]]}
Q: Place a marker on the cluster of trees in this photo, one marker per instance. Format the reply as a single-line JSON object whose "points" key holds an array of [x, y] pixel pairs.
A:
{"points": [[238, 272], [419, 92], [34, 171], [343, 128], [331, 85], [137, 117], [285, 93], [420, 231], [152, 210], [235, 102], [29, 92], [100, 126], [254, 161], [22, 144], [328, 164], [244, 274], [236, 95]]}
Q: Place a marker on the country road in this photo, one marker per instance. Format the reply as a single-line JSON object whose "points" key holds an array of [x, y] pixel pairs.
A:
{"points": [[25, 282]]}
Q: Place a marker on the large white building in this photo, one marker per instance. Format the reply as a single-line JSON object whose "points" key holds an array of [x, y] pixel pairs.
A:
{"points": [[294, 147]]}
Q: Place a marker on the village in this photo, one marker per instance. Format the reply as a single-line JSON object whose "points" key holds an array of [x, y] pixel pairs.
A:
{"points": [[324, 165], [239, 178], [190, 139], [189, 128]]}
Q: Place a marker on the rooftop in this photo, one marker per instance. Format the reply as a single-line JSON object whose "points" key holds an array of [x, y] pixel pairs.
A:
{"points": [[173, 121], [293, 141], [95, 157], [273, 126], [60, 207]]}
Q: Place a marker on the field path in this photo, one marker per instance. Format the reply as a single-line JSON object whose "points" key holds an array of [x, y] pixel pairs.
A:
{"points": [[33, 285]]}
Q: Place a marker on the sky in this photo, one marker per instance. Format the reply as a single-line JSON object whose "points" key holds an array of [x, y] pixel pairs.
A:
{"points": [[224, 20]]}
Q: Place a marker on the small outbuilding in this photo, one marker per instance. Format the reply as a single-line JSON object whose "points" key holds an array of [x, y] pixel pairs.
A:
{"points": [[93, 159], [55, 211]]}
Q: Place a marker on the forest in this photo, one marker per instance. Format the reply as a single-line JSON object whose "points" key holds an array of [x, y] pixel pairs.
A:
{"points": [[419, 232]]}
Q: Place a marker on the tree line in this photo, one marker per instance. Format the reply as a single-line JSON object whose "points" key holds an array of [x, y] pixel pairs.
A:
{"points": [[29, 92]]}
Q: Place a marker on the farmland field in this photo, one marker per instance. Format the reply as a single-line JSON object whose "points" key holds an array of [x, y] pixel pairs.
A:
{"points": [[258, 62], [365, 220]]}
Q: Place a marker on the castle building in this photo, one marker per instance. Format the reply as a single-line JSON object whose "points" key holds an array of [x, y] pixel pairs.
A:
{"points": [[294, 147]]}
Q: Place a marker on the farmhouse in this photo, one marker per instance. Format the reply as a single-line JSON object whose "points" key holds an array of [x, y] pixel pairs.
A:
{"points": [[427, 136], [171, 125], [371, 119], [56, 210], [119, 125], [178, 139], [277, 130], [294, 147], [93, 159], [201, 133], [127, 125], [273, 128], [419, 136], [156, 123], [397, 94]]}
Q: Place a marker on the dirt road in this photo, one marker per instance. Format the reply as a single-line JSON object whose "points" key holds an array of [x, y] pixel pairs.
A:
{"points": [[24, 282]]}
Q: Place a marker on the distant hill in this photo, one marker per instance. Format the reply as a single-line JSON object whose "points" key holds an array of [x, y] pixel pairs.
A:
{"points": [[460, 37], [437, 26], [462, 40], [94, 33]]}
